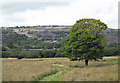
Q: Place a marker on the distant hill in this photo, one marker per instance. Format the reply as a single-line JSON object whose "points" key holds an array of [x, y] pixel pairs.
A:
{"points": [[49, 34], [111, 35], [46, 42]]}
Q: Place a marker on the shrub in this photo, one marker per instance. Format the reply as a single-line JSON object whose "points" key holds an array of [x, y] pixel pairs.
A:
{"points": [[113, 51], [19, 53]]}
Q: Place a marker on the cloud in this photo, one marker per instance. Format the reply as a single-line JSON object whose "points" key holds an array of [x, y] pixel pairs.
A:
{"points": [[13, 7], [61, 13]]}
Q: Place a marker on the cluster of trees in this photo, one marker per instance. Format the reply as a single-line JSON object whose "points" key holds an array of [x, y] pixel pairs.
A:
{"points": [[47, 53], [38, 26], [61, 33], [43, 45], [112, 51], [17, 53], [52, 35], [10, 38], [83, 42], [13, 40]]}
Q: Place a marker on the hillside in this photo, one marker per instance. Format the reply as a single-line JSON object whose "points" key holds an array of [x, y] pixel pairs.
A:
{"points": [[56, 34], [20, 40]]}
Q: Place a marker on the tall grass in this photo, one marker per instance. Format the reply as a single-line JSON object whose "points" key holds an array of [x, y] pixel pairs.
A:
{"points": [[40, 77], [62, 70], [112, 61]]}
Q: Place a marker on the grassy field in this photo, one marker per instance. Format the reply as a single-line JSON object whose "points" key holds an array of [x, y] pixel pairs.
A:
{"points": [[59, 69]]}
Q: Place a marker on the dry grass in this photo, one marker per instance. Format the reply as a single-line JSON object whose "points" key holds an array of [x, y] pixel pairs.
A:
{"points": [[111, 58], [24, 29], [24, 70], [106, 73], [28, 69], [0, 69]]}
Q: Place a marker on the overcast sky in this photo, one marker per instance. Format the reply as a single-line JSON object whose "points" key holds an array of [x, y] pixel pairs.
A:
{"points": [[57, 12]]}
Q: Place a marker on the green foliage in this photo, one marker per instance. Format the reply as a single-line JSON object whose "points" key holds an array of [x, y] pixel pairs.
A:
{"points": [[10, 38], [59, 53], [84, 41], [3, 48], [20, 53], [112, 51], [45, 75], [46, 45], [113, 45], [60, 33], [112, 61], [13, 40]]}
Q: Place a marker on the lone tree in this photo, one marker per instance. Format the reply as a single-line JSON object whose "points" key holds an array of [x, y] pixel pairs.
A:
{"points": [[85, 41]]}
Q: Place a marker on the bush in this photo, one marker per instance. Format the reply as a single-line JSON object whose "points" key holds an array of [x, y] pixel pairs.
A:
{"points": [[59, 54], [19, 53], [113, 51], [48, 53], [5, 54]]}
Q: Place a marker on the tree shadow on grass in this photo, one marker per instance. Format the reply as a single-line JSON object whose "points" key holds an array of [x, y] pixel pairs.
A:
{"points": [[77, 66]]}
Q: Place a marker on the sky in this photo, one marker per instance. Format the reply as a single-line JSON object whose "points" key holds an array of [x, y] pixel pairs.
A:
{"points": [[57, 12]]}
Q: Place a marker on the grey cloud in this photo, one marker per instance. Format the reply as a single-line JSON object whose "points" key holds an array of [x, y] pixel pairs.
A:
{"points": [[13, 7]]}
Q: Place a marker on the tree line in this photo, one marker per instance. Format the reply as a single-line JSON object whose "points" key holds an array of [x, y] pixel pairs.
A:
{"points": [[81, 37], [48, 53]]}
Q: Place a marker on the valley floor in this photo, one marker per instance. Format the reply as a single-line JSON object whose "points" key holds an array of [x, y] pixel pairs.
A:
{"points": [[59, 69]]}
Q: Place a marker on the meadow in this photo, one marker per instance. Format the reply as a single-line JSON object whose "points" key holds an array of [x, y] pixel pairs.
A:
{"points": [[59, 69]]}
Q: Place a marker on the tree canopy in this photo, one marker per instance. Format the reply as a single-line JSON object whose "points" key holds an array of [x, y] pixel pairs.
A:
{"points": [[85, 41]]}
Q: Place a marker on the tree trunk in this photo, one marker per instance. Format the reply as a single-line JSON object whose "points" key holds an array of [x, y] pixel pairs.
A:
{"points": [[86, 62]]}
